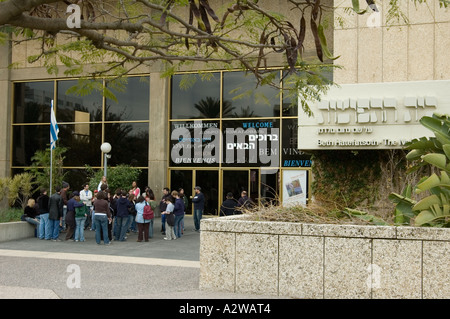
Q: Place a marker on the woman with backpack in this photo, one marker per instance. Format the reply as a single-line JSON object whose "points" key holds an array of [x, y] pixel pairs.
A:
{"points": [[142, 223]]}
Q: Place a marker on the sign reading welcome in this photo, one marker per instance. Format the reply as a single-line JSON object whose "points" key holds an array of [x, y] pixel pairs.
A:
{"points": [[372, 115]]}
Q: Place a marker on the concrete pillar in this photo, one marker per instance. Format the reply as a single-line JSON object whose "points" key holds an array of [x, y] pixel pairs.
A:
{"points": [[5, 109], [158, 135]]}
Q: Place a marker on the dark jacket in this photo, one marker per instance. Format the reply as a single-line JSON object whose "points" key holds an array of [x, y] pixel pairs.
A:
{"points": [[70, 216], [228, 207], [245, 202], [162, 203], [199, 201], [178, 209], [122, 206], [55, 207], [30, 212], [42, 202]]}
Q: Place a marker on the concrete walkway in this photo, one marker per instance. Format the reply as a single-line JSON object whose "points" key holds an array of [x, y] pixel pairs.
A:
{"points": [[33, 268]]}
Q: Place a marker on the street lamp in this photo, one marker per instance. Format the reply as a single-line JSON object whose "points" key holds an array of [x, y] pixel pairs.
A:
{"points": [[106, 148]]}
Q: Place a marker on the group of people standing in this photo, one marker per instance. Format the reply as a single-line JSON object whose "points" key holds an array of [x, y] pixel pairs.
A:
{"points": [[113, 216], [109, 215]]}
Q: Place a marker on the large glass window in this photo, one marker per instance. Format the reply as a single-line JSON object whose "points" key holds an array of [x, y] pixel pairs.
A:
{"points": [[76, 108], [244, 100], [129, 143], [85, 121], [32, 101], [132, 101], [27, 139], [82, 143], [200, 101]]}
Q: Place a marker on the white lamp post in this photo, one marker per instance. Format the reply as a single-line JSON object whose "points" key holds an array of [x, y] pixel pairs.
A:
{"points": [[106, 148]]}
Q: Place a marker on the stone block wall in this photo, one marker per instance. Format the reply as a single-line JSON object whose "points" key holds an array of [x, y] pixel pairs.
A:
{"points": [[324, 261]]}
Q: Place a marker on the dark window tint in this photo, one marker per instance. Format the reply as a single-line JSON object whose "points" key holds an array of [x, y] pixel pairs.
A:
{"points": [[241, 97], [132, 101], [76, 108], [27, 139], [32, 102], [129, 143], [194, 97]]}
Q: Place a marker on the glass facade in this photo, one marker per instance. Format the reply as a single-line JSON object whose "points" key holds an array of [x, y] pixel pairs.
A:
{"points": [[225, 133], [85, 121], [230, 135]]}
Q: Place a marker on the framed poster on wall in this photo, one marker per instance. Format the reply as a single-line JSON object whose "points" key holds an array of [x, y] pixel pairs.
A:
{"points": [[295, 187]]}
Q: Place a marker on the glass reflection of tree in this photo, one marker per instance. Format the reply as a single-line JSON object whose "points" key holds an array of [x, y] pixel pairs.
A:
{"points": [[245, 113], [209, 107]]}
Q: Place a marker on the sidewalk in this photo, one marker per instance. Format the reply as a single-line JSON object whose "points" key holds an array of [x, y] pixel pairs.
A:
{"points": [[158, 269]]}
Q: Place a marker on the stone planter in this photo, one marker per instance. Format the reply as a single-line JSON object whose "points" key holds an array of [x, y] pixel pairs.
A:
{"points": [[323, 260], [15, 230]]}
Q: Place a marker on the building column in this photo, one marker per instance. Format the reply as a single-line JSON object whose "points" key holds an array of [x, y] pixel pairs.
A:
{"points": [[158, 134], [5, 109]]}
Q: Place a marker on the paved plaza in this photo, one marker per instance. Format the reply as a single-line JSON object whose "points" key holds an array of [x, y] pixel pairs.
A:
{"points": [[32, 268]]}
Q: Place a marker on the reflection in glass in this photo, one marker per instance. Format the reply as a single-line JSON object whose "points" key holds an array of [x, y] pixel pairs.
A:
{"points": [[32, 102], [182, 179], [75, 108], [194, 143], [291, 156], [27, 139], [132, 102], [83, 146], [129, 143], [201, 100], [247, 100], [209, 182]]}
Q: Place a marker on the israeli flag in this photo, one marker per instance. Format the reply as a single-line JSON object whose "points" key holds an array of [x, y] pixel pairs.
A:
{"points": [[54, 130]]}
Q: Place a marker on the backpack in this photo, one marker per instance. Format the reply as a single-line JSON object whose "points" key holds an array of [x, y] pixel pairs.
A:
{"points": [[148, 212]]}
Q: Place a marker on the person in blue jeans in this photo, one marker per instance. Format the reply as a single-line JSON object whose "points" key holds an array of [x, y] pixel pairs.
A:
{"points": [[44, 225], [178, 212], [55, 215], [102, 217], [199, 205]]}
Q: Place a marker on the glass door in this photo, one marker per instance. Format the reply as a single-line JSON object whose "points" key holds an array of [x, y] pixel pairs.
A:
{"points": [[208, 180], [235, 181], [183, 179]]}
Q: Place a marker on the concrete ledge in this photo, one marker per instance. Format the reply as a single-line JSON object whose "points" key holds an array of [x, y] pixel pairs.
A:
{"points": [[323, 261], [15, 230]]}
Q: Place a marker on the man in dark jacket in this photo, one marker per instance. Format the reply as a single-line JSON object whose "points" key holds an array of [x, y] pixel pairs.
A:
{"points": [[229, 206], [70, 214], [199, 205], [244, 201], [44, 226], [55, 214], [122, 205]]}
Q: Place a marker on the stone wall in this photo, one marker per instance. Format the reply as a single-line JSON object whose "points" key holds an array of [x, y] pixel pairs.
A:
{"points": [[15, 230], [324, 261]]}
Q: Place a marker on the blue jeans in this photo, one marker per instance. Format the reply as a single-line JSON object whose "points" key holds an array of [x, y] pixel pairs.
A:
{"points": [[34, 222], [44, 227], [54, 229], [197, 217], [79, 228], [178, 225], [150, 229], [101, 224], [122, 227]]}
